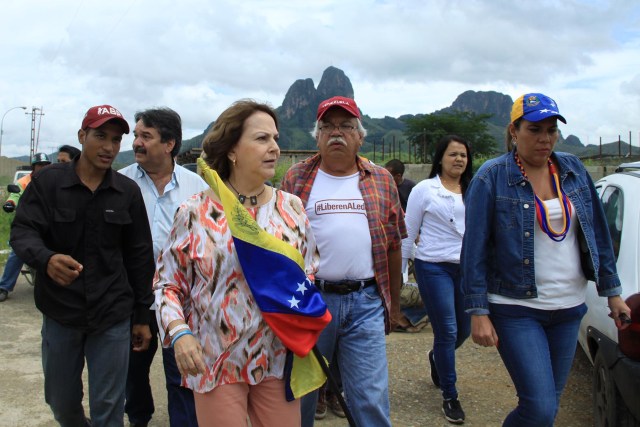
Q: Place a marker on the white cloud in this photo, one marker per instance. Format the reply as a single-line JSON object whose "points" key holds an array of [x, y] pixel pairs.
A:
{"points": [[198, 56]]}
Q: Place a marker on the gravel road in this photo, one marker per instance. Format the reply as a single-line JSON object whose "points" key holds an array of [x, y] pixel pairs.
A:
{"points": [[486, 392]]}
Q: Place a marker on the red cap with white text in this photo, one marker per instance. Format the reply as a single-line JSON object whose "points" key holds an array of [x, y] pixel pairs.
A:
{"points": [[347, 104], [101, 114]]}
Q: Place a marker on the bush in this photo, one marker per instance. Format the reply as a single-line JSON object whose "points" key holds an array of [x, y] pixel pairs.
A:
{"points": [[281, 169]]}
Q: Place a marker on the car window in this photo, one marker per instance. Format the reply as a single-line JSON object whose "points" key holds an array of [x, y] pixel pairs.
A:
{"points": [[613, 203], [193, 167], [19, 175]]}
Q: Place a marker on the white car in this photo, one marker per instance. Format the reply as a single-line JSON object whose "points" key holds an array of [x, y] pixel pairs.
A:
{"points": [[616, 354], [19, 174]]}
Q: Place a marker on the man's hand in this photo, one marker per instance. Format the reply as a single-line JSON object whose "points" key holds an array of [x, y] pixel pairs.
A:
{"points": [[140, 337], [395, 317], [9, 206], [63, 269]]}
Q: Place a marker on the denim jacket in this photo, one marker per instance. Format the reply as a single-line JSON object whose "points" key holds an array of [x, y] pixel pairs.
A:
{"points": [[498, 250]]}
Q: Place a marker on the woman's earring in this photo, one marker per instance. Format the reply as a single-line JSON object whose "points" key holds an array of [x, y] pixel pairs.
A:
{"points": [[514, 142], [233, 161]]}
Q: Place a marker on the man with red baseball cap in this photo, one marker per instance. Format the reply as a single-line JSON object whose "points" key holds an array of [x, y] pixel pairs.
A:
{"points": [[101, 114], [84, 228], [358, 223]]}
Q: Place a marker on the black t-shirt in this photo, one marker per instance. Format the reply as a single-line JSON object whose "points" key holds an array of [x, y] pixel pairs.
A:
{"points": [[404, 190]]}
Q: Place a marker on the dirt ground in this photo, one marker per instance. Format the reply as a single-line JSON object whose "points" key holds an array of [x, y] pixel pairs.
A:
{"points": [[486, 392]]}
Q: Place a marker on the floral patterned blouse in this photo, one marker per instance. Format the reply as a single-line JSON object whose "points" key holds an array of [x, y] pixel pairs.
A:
{"points": [[199, 279]]}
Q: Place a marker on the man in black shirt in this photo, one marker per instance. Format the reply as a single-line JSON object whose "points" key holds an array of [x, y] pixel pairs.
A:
{"points": [[396, 169], [413, 318], [84, 228]]}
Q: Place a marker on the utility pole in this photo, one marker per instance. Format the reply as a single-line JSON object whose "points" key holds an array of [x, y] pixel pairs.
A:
{"points": [[601, 147], [374, 151], [619, 147], [424, 146], [35, 111]]}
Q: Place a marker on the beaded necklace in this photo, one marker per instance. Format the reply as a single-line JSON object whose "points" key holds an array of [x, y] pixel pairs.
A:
{"points": [[541, 209]]}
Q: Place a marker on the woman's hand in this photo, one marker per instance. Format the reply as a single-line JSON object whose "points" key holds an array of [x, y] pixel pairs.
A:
{"points": [[482, 331], [619, 311], [189, 356]]}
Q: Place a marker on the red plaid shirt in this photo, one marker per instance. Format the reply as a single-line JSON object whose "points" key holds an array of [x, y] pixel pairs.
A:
{"points": [[384, 212]]}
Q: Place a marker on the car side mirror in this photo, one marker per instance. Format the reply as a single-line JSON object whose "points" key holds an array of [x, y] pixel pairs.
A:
{"points": [[13, 188]]}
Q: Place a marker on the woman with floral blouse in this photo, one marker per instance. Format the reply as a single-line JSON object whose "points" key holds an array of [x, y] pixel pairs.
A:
{"points": [[225, 351]]}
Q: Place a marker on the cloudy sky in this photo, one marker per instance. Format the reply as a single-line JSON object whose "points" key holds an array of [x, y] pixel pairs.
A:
{"points": [[413, 56]]}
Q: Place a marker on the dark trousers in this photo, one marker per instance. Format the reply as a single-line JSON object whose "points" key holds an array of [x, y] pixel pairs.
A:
{"points": [[64, 351], [139, 404], [182, 409]]}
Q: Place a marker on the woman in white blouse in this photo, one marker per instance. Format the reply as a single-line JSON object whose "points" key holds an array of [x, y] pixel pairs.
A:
{"points": [[435, 213]]}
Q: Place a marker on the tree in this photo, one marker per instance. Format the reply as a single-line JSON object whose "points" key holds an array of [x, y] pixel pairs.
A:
{"points": [[425, 131]]}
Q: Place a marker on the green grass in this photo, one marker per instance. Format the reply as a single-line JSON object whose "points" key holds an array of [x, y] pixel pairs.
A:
{"points": [[5, 227], [610, 161], [5, 218]]}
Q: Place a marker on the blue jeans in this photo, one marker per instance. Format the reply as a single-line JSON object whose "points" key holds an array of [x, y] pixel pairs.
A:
{"points": [[64, 351], [11, 272], [441, 292], [356, 333], [139, 405], [537, 348], [414, 314]]}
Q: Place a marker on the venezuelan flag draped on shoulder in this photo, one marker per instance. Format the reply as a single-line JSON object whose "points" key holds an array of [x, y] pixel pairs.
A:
{"points": [[274, 270]]}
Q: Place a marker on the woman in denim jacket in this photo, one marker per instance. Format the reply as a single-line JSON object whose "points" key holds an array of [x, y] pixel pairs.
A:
{"points": [[528, 213]]}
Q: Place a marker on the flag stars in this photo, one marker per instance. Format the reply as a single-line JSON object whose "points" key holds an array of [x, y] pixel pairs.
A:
{"points": [[301, 287], [294, 302]]}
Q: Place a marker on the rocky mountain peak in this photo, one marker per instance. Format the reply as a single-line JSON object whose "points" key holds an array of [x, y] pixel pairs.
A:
{"points": [[302, 99], [497, 104], [573, 141], [300, 96], [334, 82]]}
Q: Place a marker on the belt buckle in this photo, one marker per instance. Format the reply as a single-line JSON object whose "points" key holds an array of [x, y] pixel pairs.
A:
{"points": [[343, 290], [342, 287]]}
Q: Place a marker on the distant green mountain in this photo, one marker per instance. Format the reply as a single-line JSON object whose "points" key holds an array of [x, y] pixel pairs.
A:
{"points": [[297, 115]]}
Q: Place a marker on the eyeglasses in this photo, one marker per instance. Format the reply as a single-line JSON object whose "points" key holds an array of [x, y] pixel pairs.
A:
{"points": [[330, 127]]}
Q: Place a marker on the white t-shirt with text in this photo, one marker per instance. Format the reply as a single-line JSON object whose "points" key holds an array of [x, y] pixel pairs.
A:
{"points": [[338, 218]]}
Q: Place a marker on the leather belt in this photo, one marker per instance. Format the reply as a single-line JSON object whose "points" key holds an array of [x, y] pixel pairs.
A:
{"points": [[343, 287]]}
